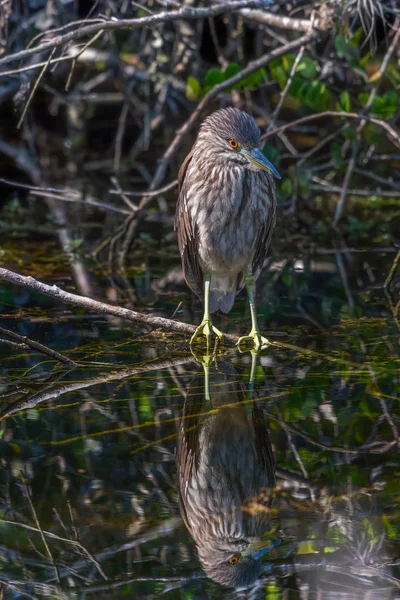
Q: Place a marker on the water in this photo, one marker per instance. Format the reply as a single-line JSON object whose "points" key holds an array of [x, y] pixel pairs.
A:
{"points": [[89, 481]]}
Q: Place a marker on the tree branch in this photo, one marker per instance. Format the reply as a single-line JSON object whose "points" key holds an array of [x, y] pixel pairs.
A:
{"points": [[393, 133], [59, 390], [28, 343], [267, 18], [113, 24], [95, 305]]}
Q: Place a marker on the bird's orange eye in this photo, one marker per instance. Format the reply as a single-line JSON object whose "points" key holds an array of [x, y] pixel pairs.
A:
{"points": [[234, 560], [233, 143]]}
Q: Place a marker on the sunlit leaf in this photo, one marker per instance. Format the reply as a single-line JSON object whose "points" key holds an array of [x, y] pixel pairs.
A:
{"points": [[193, 88]]}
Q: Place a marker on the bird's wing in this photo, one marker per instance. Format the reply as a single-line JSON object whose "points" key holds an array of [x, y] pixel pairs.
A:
{"points": [[265, 231], [188, 455], [187, 234], [188, 450], [264, 450]]}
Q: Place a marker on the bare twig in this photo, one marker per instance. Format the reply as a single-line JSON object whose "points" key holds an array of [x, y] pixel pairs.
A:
{"points": [[60, 539], [393, 307], [156, 532], [286, 88], [27, 342], [75, 58], [162, 190], [123, 195], [94, 305], [65, 195], [356, 144], [393, 133], [114, 24], [346, 180], [59, 390], [34, 88], [267, 18], [45, 544], [326, 186]]}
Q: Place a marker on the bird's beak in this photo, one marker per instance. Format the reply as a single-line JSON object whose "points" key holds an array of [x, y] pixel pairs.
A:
{"points": [[257, 158], [257, 550]]}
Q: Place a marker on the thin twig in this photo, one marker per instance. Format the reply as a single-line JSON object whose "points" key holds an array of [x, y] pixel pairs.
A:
{"points": [[34, 88], [286, 88], [162, 190], [22, 339], [45, 544], [60, 539], [122, 194], [114, 24], [357, 143], [75, 59], [59, 390], [267, 18], [394, 135], [95, 305]]}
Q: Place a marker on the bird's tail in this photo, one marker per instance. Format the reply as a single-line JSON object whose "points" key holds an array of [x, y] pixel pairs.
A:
{"points": [[222, 299]]}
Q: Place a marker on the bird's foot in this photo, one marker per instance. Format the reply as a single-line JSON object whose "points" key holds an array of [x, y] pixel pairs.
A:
{"points": [[206, 328], [258, 341]]}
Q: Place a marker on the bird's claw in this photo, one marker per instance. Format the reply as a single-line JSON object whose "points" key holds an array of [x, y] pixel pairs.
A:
{"points": [[259, 342], [206, 328]]}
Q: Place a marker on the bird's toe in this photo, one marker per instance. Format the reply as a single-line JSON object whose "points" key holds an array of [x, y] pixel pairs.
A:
{"points": [[254, 339]]}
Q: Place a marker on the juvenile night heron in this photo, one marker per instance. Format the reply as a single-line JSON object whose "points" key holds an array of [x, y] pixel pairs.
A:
{"points": [[226, 476], [225, 215]]}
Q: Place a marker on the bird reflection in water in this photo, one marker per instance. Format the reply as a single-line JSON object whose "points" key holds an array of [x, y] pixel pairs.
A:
{"points": [[226, 476]]}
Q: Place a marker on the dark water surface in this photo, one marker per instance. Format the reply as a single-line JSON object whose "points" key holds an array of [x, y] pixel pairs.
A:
{"points": [[305, 466]]}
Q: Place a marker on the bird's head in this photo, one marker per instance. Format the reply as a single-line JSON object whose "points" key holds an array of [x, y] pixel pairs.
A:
{"points": [[234, 563], [233, 137]]}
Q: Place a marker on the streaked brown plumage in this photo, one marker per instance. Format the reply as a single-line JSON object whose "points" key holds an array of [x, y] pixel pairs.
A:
{"points": [[226, 210], [226, 474]]}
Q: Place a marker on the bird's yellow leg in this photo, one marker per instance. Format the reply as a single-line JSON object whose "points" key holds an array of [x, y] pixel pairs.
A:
{"points": [[206, 327], [259, 342]]}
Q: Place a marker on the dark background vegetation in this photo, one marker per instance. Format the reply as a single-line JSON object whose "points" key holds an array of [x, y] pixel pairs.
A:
{"points": [[88, 499]]}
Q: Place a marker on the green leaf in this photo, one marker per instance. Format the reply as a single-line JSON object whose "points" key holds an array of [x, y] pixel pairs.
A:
{"points": [[193, 88], [344, 416], [391, 530], [298, 88], [382, 106], [286, 188], [307, 68], [279, 74], [336, 155], [231, 70], [350, 133], [363, 98], [346, 50], [344, 103], [356, 39], [317, 96], [312, 93], [213, 77], [252, 81]]}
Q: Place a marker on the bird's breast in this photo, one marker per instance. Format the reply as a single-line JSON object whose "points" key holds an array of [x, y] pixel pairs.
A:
{"points": [[228, 212]]}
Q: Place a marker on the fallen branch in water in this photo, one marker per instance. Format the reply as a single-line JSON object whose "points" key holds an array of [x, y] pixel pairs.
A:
{"points": [[25, 342], [136, 317], [55, 391], [95, 305]]}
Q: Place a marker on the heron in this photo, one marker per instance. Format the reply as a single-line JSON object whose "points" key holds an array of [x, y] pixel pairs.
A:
{"points": [[225, 216], [226, 477]]}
